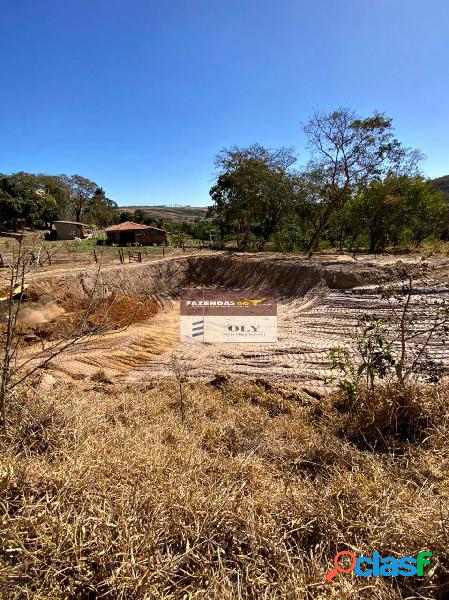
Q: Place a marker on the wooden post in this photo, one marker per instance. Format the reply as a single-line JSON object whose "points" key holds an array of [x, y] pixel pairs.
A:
{"points": [[163, 251], [95, 256]]}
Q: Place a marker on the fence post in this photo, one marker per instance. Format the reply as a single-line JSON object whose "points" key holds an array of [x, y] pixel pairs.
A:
{"points": [[95, 256], [163, 251]]}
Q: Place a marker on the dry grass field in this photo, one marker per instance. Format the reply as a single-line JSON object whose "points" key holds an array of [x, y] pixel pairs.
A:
{"points": [[112, 494]]}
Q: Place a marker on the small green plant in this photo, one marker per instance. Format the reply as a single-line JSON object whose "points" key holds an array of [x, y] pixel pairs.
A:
{"points": [[376, 351], [376, 358], [178, 238], [395, 347], [341, 360]]}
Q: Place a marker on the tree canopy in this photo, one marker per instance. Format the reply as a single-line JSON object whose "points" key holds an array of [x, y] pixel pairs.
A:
{"points": [[36, 200], [254, 188], [360, 185]]}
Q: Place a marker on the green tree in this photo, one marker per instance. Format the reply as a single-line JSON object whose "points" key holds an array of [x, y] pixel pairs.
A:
{"points": [[178, 238], [33, 200], [101, 210], [253, 189], [10, 206], [48, 210], [348, 153], [58, 187], [397, 209], [139, 215], [81, 194], [425, 210], [19, 201], [147, 220]]}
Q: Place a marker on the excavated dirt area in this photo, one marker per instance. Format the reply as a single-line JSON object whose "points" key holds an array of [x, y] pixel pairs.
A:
{"points": [[320, 302]]}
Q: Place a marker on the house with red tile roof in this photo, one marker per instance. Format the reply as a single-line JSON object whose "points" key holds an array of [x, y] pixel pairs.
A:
{"points": [[135, 233]]}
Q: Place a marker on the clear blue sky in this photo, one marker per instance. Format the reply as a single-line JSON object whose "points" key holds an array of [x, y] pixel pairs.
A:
{"points": [[139, 95]]}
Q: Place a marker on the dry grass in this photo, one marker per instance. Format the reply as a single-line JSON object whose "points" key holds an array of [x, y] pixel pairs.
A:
{"points": [[109, 495]]}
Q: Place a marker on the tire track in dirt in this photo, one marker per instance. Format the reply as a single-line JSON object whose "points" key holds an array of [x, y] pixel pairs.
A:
{"points": [[313, 317]]}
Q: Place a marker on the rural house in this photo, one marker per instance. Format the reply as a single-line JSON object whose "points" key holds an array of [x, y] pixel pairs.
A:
{"points": [[135, 233], [69, 230]]}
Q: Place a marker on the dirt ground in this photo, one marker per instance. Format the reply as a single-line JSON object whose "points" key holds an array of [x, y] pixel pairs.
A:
{"points": [[320, 302]]}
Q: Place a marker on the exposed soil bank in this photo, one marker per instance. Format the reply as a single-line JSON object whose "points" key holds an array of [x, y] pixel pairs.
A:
{"points": [[289, 276], [321, 302], [162, 279]]}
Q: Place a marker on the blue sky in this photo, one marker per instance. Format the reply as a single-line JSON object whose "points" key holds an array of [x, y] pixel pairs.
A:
{"points": [[140, 95]]}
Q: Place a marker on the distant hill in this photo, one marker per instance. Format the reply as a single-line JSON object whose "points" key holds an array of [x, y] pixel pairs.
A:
{"points": [[170, 213], [442, 183]]}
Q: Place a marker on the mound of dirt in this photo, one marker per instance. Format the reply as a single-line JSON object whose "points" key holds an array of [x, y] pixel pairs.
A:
{"points": [[121, 310], [115, 311]]}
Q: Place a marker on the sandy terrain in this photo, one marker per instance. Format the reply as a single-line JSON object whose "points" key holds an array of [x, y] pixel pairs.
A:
{"points": [[320, 304]]}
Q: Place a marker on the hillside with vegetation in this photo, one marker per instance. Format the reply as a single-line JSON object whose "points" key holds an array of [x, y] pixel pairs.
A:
{"points": [[170, 213], [442, 184]]}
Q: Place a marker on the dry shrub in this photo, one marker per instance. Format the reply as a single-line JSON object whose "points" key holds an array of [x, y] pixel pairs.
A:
{"points": [[100, 376], [238, 501], [39, 424], [394, 415]]}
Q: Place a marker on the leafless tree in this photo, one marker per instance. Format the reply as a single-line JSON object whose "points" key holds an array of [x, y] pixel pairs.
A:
{"points": [[417, 321], [16, 367]]}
